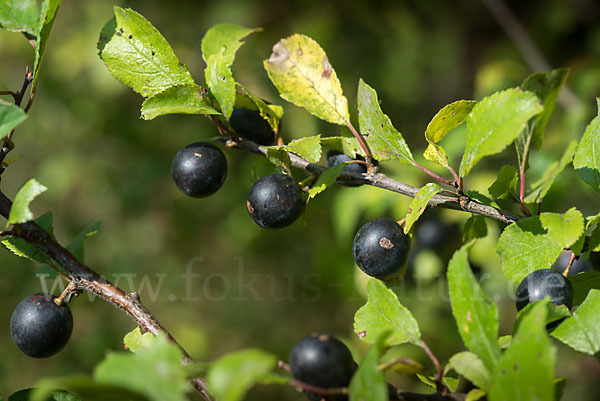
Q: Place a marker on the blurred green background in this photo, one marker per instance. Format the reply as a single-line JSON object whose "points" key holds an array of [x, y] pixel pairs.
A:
{"points": [[85, 141]]}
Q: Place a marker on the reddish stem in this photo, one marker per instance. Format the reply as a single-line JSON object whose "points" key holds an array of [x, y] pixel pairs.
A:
{"points": [[360, 140], [439, 383], [433, 175]]}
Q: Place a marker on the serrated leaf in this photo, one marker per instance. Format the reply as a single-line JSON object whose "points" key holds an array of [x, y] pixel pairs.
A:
{"points": [[20, 16], [526, 246], [476, 316], [10, 117], [140, 57], [384, 141], [368, 383], [525, 370], [419, 203], [303, 75], [280, 158], [220, 82], [308, 148], [468, 365], [85, 388], [563, 228], [180, 99], [160, 361], [495, 122], [448, 118], [24, 249], [475, 227], [326, 179], [45, 22], [383, 312], [348, 146], [587, 156], [505, 184], [540, 188], [582, 331], [19, 212], [232, 375], [583, 283], [135, 341], [76, 246], [546, 86], [227, 36]]}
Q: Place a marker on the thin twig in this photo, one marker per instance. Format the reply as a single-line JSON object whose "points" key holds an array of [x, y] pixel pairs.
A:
{"points": [[83, 278], [439, 383], [569, 265]]}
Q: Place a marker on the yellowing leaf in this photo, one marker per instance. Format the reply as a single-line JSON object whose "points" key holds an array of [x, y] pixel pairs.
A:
{"points": [[301, 71]]}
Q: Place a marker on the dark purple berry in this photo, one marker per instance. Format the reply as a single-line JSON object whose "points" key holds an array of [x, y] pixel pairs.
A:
{"points": [[323, 361], [275, 201], [579, 265], [543, 283], [199, 169], [39, 327], [381, 248], [251, 125], [334, 158]]}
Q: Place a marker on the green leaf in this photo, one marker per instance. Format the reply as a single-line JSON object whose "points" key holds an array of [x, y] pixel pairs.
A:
{"points": [[504, 341], [525, 370], [20, 15], [220, 82], [506, 183], [303, 75], [382, 313], [228, 36], [135, 341], [19, 212], [348, 146], [419, 203], [587, 158], [554, 313], [565, 228], [181, 99], [45, 22], [76, 246], [582, 284], [84, 387], [384, 141], [403, 366], [540, 188], [231, 376], [10, 117], [468, 365], [526, 246], [368, 383], [160, 361], [308, 148], [24, 249], [495, 122], [475, 227], [448, 118], [281, 159], [475, 394], [476, 316], [326, 179], [546, 86], [450, 382], [140, 57], [582, 331]]}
